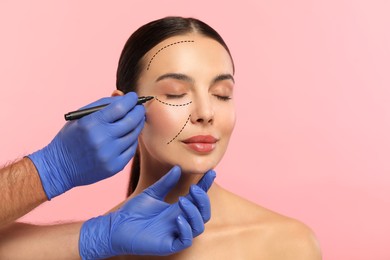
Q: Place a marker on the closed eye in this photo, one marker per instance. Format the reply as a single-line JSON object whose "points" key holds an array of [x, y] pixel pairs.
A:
{"points": [[222, 98], [172, 96]]}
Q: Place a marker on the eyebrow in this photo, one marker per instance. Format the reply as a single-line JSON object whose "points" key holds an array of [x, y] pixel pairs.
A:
{"points": [[222, 77], [186, 78], [177, 76]]}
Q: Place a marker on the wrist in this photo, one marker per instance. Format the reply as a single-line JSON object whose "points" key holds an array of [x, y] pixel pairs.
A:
{"points": [[38, 160], [48, 172], [35, 180], [94, 241]]}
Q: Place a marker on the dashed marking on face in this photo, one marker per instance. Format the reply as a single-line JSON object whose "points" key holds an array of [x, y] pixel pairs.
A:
{"points": [[166, 46], [173, 105], [188, 119]]}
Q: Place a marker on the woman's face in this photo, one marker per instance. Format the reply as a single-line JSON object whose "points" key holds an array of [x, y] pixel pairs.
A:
{"points": [[190, 121]]}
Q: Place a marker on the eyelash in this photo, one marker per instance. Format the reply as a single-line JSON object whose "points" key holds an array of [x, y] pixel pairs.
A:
{"points": [[222, 98], [171, 96]]}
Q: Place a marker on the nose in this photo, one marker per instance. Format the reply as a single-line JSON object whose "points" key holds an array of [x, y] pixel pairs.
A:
{"points": [[202, 111]]}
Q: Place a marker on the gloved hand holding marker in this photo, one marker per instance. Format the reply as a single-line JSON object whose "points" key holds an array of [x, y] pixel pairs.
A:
{"points": [[92, 148], [100, 144], [83, 112]]}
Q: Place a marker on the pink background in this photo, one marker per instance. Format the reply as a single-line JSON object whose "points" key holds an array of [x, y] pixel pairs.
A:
{"points": [[312, 95]]}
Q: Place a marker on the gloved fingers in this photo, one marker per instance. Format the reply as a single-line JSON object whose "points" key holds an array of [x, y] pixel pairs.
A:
{"points": [[102, 101], [204, 183], [123, 143], [201, 201], [118, 108], [192, 215], [123, 159], [109, 148], [113, 159], [129, 122], [207, 180], [184, 239], [161, 188]]}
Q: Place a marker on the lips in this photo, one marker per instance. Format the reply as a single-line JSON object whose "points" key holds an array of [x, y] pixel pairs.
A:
{"points": [[201, 143], [201, 139]]}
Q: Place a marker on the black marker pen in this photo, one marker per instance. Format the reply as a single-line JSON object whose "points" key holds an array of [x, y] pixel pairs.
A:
{"points": [[83, 112]]}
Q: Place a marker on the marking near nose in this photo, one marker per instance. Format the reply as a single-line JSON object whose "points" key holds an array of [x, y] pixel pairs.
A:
{"points": [[180, 129], [180, 105]]}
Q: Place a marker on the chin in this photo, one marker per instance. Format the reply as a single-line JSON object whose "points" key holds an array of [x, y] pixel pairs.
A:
{"points": [[197, 167], [195, 171]]}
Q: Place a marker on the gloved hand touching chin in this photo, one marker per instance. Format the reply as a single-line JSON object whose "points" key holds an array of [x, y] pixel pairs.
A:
{"points": [[146, 225], [91, 148]]}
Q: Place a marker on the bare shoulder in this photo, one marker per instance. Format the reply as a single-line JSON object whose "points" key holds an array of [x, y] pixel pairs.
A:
{"points": [[240, 229], [291, 239], [275, 236]]}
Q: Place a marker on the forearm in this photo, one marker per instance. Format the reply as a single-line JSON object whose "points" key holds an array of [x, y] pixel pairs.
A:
{"points": [[25, 241], [20, 190]]}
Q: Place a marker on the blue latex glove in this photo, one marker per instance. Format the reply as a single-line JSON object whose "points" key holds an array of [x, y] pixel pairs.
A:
{"points": [[91, 148], [146, 225]]}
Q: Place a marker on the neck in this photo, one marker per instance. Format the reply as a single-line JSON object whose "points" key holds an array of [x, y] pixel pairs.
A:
{"points": [[152, 170]]}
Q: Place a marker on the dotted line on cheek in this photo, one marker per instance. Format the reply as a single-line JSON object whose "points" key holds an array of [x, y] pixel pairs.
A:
{"points": [[180, 129], [165, 103], [163, 49]]}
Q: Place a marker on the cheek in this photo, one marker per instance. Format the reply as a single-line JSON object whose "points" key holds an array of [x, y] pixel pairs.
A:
{"points": [[162, 122], [227, 120]]}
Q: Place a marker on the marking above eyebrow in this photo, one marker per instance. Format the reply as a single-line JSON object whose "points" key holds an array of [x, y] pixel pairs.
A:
{"points": [[166, 46]]}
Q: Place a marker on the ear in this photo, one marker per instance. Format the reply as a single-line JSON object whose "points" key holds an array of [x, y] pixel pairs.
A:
{"points": [[116, 93]]}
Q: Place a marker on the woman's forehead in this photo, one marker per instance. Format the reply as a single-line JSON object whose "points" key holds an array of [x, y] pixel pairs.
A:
{"points": [[185, 51]]}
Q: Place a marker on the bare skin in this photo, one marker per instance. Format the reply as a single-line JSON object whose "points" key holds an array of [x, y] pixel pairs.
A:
{"points": [[240, 229], [25, 241], [21, 190]]}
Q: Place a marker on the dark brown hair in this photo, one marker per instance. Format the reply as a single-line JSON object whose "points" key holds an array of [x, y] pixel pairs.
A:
{"points": [[140, 42]]}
